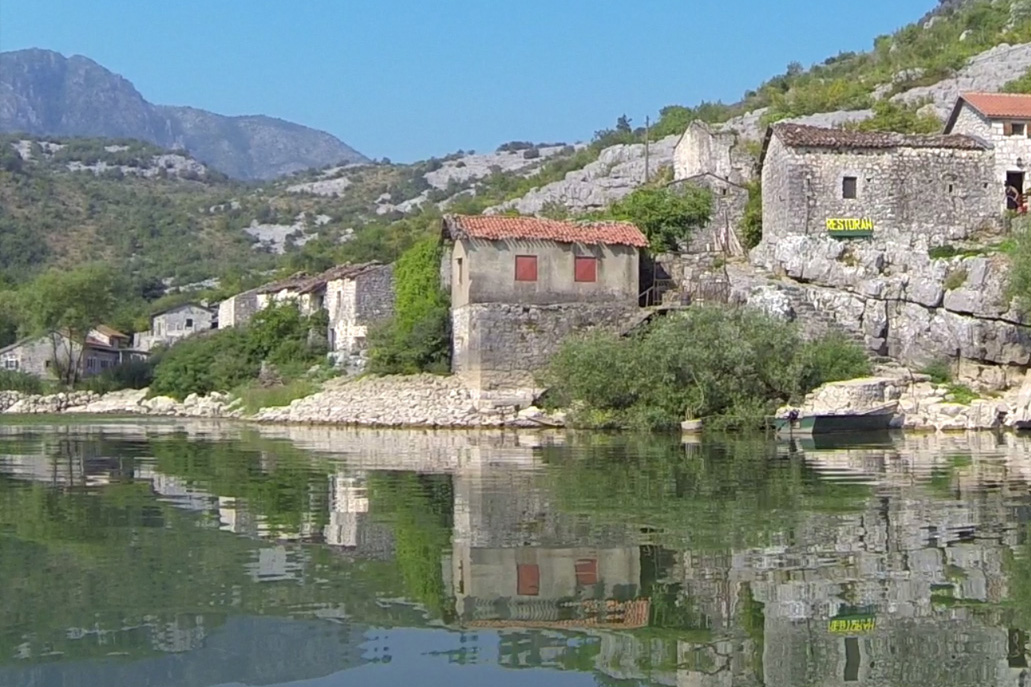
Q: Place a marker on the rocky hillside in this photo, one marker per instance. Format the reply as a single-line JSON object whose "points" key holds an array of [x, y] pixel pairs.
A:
{"points": [[44, 93]]}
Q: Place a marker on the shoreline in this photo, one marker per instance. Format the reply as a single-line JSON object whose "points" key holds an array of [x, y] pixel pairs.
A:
{"points": [[429, 402]]}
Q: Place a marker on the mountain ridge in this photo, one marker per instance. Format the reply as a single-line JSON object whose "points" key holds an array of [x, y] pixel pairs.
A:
{"points": [[44, 93]]}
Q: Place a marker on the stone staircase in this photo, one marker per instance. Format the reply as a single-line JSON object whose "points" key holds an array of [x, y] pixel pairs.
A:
{"points": [[814, 322]]}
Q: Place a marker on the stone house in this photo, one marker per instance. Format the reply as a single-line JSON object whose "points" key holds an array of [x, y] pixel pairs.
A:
{"points": [[356, 297], [703, 149], [105, 348], [851, 183], [169, 326], [1003, 121], [306, 290], [520, 285], [237, 310]]}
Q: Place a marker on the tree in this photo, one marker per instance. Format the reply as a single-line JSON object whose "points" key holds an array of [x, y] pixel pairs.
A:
{"points": [[65, 306], [623, 125], [667, 217]]}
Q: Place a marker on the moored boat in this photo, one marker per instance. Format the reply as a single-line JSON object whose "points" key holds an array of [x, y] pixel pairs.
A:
{"points": [[872, 420]]}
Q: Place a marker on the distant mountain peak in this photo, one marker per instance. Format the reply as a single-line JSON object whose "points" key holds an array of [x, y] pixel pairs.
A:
{"points": [[44, 93]]}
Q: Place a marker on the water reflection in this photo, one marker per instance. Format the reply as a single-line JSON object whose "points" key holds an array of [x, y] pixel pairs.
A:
{"points": [[203, 554]]}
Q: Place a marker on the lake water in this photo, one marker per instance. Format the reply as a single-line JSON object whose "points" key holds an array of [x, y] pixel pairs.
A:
{"points": [[183, 554]]}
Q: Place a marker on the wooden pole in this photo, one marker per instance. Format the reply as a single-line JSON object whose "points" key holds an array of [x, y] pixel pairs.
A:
{"points": [[647, 132]]}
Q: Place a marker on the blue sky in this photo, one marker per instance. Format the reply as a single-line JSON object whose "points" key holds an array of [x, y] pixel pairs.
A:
{"points": [[407, 79]]}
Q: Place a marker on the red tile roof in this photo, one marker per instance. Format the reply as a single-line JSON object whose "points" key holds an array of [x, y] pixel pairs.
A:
{"points": [[497, 227], [1000, 104]]}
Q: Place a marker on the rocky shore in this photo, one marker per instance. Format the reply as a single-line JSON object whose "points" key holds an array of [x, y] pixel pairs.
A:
{"points": [[412, 401], [430, 401]]}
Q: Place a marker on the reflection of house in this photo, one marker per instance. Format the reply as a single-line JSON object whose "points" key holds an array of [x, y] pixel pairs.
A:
{"points": [[169, 326], [42, 356], [1004, 121], [520, 285]]}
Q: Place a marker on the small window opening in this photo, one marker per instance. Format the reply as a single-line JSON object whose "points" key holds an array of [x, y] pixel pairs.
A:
{"points": [[951, 188], [1018, 129], [526, 268], [585, 269], [849, 187], [459, 270], [189, 323]]}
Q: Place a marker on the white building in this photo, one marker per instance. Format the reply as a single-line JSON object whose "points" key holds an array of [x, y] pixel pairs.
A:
{"points": [[1004, 121]]}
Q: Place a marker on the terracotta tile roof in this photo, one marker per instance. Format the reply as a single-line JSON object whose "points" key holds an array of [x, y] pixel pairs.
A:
{"points": [[805, 136], [302, 282], [497, 227], [1013, 105]]}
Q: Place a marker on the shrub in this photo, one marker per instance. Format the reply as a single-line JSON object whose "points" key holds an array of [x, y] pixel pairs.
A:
{"points": [[12, 380], [228, 358], [955, 279], [729, 367], [666, 216], [1018, 285], [136, 374], [939, 371], [418, 338], [752, 220], [254, 396]]}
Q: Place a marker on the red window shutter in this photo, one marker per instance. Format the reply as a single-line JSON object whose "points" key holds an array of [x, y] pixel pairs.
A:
{"points": [[586, 269], [587, 572], [526, 268], [528, 580]]}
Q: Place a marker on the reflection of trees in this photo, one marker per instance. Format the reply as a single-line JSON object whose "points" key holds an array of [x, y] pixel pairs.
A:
{"points": [[716, 496], [419, 508], [277, 481], [121, 564]]}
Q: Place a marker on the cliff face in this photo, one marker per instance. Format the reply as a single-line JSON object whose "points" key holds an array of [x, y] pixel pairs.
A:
{"points": [[908, 305], [44, 93]]}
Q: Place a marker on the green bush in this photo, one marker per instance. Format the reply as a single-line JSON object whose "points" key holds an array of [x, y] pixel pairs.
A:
{"points": [[418, 338], [12, 380], [136, 374], [254, 396], [666, 216], [898, 117], [752, 220], [939, 371], [730, 367], [1019, 275], [229, 358]]}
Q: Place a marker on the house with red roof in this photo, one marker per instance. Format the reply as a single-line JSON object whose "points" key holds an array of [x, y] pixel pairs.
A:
{"points": [[531, 260], [521, 285], [1002, 120]]}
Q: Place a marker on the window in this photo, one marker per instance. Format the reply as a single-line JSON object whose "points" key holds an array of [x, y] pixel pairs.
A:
{"points": [[849, 188], [189, 323], [528, 580], [10, 363], [1014, 129], [458, 276], [587, 572], [526, 268], [585, 269]]}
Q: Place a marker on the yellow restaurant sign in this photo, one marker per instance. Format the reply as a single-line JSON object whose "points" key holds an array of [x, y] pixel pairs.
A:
{"points": [[852, 625], [850, 224]]}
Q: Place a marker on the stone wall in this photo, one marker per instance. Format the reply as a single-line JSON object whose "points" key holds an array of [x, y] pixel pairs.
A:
{"points": [[500, 347], [173, 325], [238, 310], [934, 192], [906, 304], [355, 303], [705, 150], [1006, 149]]}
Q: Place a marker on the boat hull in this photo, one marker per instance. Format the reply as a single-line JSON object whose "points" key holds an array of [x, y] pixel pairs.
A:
{"points": [[835, 424]]}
